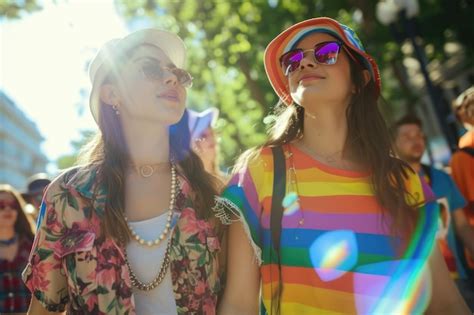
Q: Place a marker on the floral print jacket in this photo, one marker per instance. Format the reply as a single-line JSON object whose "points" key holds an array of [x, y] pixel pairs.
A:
{"points": [[73, 266]]}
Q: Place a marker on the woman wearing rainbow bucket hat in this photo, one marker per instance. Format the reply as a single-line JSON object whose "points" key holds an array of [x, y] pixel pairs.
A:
{"points": [[324, 220], [131, 231]]}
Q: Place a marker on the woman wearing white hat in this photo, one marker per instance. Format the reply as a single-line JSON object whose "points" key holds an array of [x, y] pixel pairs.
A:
{"points": [[130, 231]]}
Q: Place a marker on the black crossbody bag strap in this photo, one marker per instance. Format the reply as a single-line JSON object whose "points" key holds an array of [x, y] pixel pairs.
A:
{"points": [[279, 186], [276, 214]]}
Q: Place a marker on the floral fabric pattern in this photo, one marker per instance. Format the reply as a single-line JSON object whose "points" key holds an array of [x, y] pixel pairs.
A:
{"points": [[73, 266]]}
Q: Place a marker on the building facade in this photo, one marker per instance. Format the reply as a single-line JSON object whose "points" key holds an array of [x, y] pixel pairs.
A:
{"points": [[20, 145]]}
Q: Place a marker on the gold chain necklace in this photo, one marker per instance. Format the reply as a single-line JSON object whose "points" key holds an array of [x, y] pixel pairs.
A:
{"points": [[158, 279]]}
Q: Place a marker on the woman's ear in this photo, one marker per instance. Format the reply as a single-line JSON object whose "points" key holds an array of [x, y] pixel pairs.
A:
{"points": [[366, 75], [109, 95]]}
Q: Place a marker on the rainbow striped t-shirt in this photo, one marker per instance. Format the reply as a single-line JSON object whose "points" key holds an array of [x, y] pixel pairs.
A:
{"points": [[337, 253]]}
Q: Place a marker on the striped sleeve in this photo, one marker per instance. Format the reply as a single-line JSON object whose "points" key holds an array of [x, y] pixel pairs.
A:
{"points": [[242, 199]]}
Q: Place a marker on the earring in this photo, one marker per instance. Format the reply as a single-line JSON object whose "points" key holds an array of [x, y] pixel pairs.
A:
{"points": [[116, 110]]}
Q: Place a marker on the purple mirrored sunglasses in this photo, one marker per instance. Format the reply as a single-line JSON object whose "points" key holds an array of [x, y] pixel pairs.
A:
{"points": [[324, 53]]}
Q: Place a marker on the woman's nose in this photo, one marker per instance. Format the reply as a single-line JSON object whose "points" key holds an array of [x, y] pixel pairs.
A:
{"points": [[170, 78], [307, 61]]}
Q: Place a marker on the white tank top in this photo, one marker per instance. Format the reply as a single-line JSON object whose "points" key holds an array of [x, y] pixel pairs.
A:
{"points": [[146, 263]]}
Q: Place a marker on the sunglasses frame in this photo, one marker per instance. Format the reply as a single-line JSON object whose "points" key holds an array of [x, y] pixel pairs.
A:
{"points": [[315, 48], [187, 82]]}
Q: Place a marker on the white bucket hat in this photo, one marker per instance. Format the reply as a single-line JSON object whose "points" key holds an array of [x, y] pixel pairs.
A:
{"points": [[100, 67]]}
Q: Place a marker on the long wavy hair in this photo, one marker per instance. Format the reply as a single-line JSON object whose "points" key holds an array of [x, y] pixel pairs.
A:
{"points": [[368, 142], [24, 226], [109, 151]]}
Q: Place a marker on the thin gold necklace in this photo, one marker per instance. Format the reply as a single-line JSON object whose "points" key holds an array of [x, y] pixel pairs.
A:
{"points": [[328, 158], [292, 196], [147, 170]]}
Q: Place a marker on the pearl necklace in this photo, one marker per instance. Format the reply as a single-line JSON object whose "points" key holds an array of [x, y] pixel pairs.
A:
{"points": [[162, 236]]}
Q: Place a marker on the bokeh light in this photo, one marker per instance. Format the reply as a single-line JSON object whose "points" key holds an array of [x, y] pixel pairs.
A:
{"points": [[334, 253], [290, 204]]}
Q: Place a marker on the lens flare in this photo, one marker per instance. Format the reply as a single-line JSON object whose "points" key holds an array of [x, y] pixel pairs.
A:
{"points": [[393, 291], [334, 253], [401, 286]]}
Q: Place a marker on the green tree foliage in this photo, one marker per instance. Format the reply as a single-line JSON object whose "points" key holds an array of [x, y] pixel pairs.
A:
{"points": [[14, 9], [226, 40], [69, 160]]}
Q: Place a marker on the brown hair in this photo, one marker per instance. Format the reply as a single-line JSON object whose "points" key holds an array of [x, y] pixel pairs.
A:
{"points": [[24, 223], [405, 120], [109, 151]]}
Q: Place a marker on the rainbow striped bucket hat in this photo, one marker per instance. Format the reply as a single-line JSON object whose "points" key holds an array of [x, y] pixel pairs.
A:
{"points": [[290, 37]]}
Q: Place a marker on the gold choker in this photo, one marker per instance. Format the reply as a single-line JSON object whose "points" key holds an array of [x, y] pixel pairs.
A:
{"points": [[147, 170]]}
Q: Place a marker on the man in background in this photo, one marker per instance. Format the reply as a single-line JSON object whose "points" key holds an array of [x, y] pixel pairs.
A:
{"points": [[410, 144]]}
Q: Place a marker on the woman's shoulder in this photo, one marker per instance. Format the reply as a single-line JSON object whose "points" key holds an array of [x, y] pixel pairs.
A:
{"points": [[255, 158], [72, 198], [81, 176]]}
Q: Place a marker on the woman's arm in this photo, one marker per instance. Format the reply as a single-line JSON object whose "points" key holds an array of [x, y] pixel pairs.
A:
{"points": [[445, 297], [37, 309], [242, 291]]}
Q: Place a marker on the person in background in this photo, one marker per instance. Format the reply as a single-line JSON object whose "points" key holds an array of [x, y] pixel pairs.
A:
{"points": [[462, 161], [203, 139], [130, 230], [16, 238], [410, 144], [35, 188], [323, 219]]}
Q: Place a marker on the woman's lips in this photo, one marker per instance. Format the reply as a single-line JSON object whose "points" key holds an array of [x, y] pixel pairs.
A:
{"points": [[171, 95], [310, 77], [7, 216]]}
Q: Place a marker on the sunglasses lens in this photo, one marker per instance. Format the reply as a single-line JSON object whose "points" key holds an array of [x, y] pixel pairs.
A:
{"points": [[291, 60], [327, 53], [152, 71], [184, 77], [7, 204]]}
